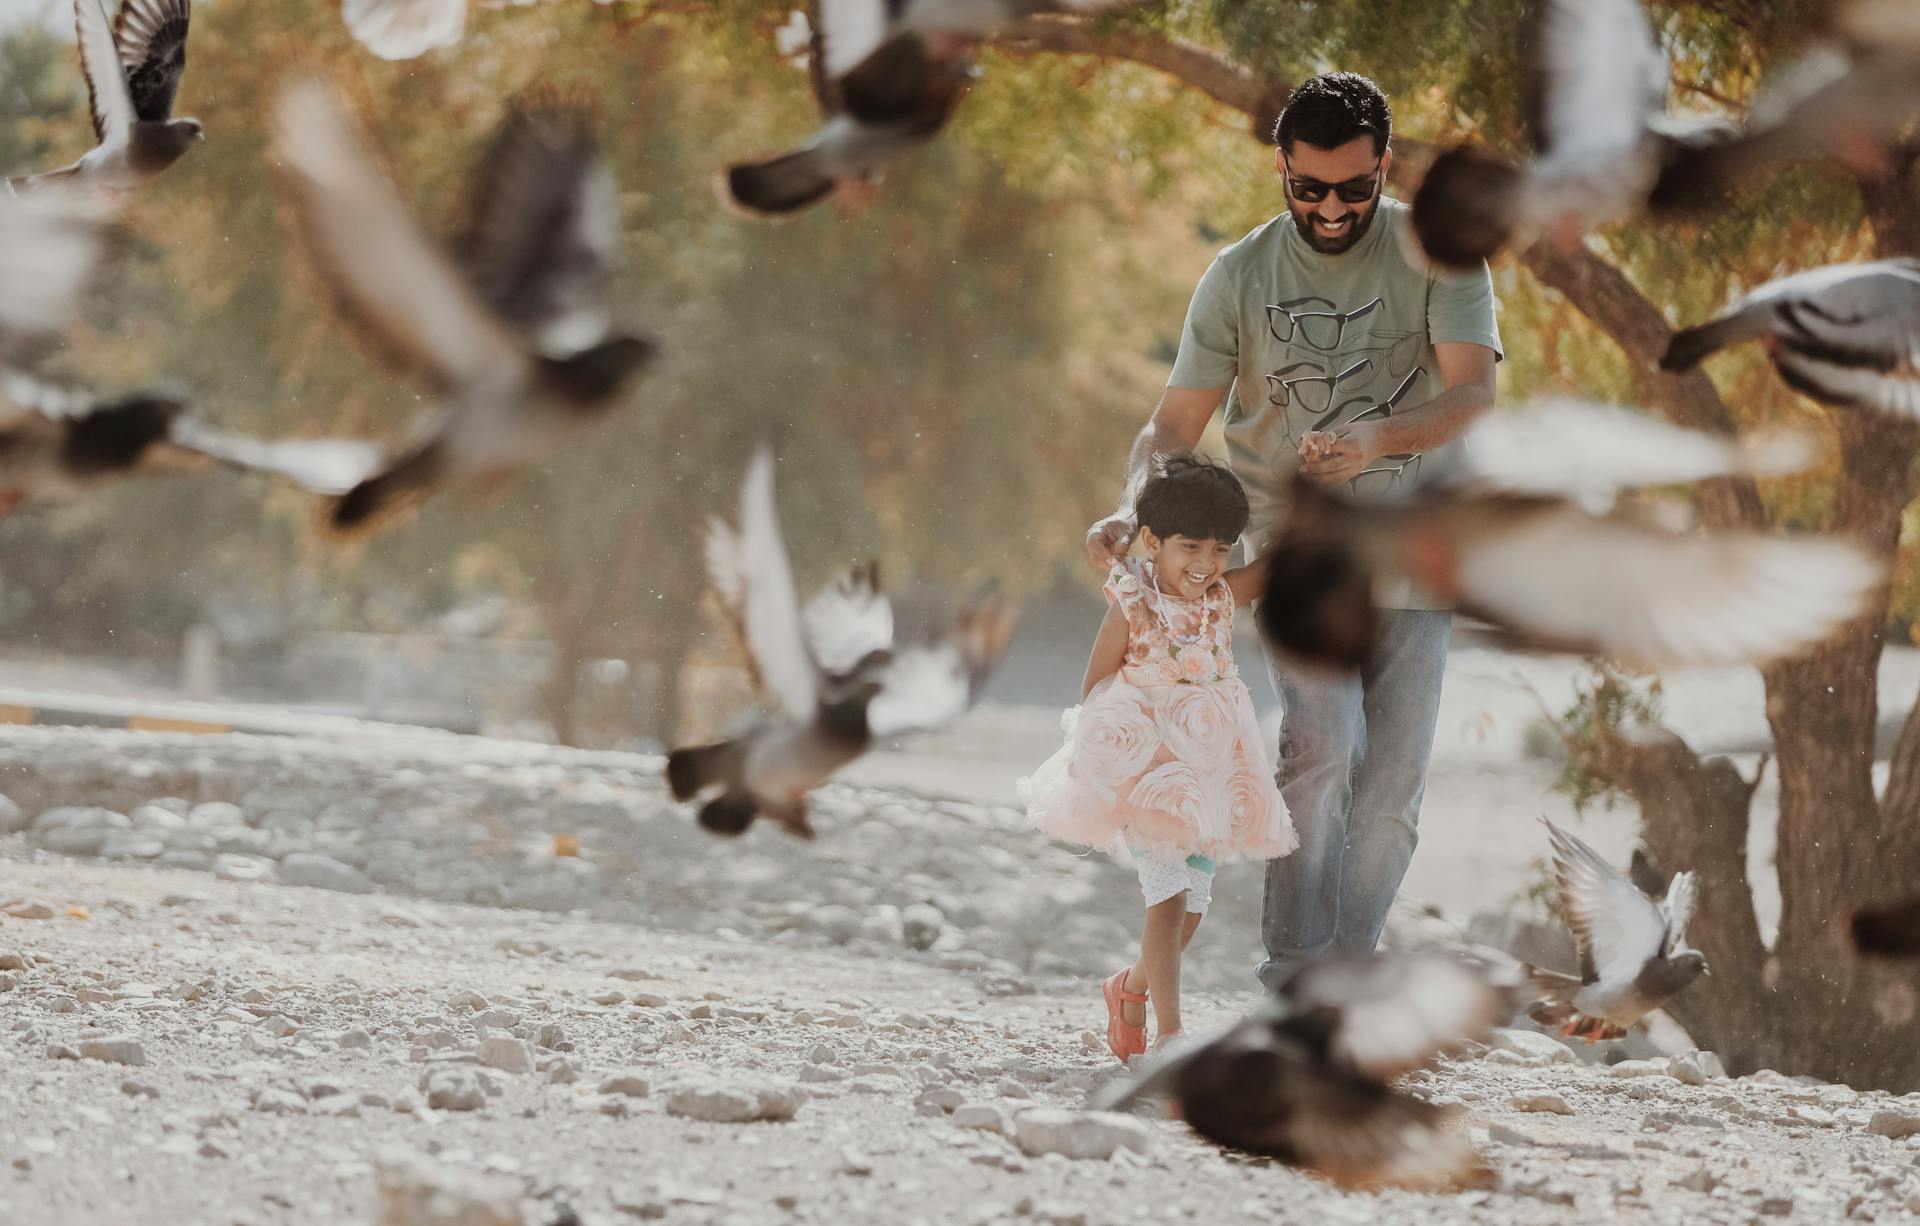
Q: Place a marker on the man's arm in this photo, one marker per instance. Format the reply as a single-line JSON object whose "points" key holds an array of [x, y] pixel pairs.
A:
{"points": [[1176, 425], [1466, 372]]}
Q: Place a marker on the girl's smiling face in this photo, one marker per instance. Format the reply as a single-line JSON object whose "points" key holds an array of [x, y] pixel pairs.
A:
{"points": [[1186, 566]]}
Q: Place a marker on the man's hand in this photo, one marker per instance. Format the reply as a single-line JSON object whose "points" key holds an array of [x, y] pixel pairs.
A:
{"points": [[1339, 454], [1107, 541]]}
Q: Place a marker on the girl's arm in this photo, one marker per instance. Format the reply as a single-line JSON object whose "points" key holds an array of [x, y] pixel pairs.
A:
{"points": [[1248, 583], [1109, 650]]}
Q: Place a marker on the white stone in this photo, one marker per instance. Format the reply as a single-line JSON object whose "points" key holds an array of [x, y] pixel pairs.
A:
{"points": [[323, 872], [734, 1101], [1895, 1122], [453, 1089], [1696, 1068], [415, 1190], [1543, 1101], [984, 1116], [921, 925], [1531, 1044], [114, 1049], [508, 1054], [1078, 1134], [631, 1083]]}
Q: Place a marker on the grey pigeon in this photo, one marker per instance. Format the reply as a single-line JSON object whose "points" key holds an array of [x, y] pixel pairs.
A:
{"points": [[1307, 1078], [1607, 150], [1633, 952], [58, 441], [1845, 334], [133, 66], [1551, 570], [517, 345], [887, 75], [833, 673], [404, 29]]}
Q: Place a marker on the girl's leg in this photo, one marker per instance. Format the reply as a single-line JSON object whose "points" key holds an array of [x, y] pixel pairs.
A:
{"points": [[1192, 926], [1160, 945]]}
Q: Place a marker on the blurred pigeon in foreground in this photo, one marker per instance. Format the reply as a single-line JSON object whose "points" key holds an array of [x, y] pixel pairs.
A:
{"points": [[133, 66], [1891, 931], [57, 441], [1609, 151], [517, 347], [50, 246], [1845, 334], [887, 76], [1633, 952], [1560, 577], [403, 29], [1306, 1079], [834, 672]]}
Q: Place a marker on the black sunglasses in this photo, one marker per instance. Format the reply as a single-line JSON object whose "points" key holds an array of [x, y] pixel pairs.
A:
{"points": [[1353, 191]]}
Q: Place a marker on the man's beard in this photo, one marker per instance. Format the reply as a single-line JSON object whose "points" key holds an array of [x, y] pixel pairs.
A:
{"points": [[1303, 222]]}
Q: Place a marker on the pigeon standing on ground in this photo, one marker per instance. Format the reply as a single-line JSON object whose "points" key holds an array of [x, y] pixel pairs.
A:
{"points": [[1633, 952], [517, 347], [1607, 149], [887, 76], [1555, 574], [835, 674], [133, 66], [1845, 334], [1307, 1078]]}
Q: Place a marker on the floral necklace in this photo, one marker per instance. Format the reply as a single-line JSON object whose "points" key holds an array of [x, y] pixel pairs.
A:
{"points": [[1203, 635]]}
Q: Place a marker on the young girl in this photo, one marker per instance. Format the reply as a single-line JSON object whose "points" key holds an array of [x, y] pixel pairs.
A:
{"points": [[1164, 757]]}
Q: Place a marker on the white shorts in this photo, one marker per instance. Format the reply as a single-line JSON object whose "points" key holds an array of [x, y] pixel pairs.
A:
{"points": [[1161, 879]]}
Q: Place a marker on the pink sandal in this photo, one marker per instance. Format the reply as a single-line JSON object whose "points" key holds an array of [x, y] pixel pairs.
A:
{"points": [[1123, 1040]]}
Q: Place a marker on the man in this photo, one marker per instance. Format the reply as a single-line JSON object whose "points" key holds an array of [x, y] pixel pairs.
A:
{"points": [[1336, 355]]}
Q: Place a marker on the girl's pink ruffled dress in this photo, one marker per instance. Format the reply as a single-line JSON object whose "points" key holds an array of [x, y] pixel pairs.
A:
{"points": [[1165, 757]]}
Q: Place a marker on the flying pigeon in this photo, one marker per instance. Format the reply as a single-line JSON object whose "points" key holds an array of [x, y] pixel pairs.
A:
{"points": [[1557, 575], [1607, 150], [404, 29], [887, 75], [57, 441], [1307, 1078], [51, 243], [1633, 952], [1845, 334], [516, 346], [133, 66], [1891, 931], [834, 673]]}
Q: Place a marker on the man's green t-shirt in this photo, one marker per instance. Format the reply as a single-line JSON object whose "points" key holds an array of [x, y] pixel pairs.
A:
{"points": [[1306, 341]]}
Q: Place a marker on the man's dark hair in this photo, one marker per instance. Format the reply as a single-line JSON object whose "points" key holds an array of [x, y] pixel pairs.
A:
{"points": [[1331, 109], [1189, 495]]}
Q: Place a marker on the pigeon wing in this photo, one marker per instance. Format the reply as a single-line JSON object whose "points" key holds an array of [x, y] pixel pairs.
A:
{"points": [[1591, 452], [1677, 907], [152, 38], [1397, 1013], [1602, 76], [1654, 598], [931, 686], [325, 466], [403, 29], [750, 575], [849, 622], [410, 302], [1615, 927], [545, 230], [107, 97], [1870, 318], [846, 32], [50, 245]]}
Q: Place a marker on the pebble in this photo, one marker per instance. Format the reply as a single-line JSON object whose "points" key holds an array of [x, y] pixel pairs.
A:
{"points": [[1698, 1180], [1638, 1068], [354, 1040], [279, 1102], [1895, 1122], [561, 1071], [631, 1083], [1696, 1068], [27, 909], [307, 868], [509, 1055], [453, 1089], [1531, 1045], [984, 1116], [1091, 1135], [114, 1049], [734, 1101], [1545, 1101], [134, 1088], [415, 1190], [921, 925]]}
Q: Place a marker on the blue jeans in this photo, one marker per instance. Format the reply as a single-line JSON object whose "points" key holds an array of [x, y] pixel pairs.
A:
{"points": [[1352, 768]]}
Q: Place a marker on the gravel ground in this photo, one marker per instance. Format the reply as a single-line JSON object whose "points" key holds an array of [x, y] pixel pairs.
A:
{"points": [[902, 1003]]}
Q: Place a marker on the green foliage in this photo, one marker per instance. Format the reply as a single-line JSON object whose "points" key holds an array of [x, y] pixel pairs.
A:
{"points": [[1610, 703]]}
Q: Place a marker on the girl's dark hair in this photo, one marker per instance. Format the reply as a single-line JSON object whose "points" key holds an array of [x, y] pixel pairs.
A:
{"points": [[1190, 495], [1331, 109]]}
